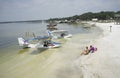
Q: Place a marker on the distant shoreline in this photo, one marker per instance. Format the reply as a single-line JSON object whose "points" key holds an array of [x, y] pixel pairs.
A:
{"points": [[20, 21]]}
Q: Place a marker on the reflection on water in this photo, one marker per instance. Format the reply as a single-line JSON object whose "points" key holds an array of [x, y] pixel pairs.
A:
{"points": [[22, 51], [38, 51], [32, 50]]}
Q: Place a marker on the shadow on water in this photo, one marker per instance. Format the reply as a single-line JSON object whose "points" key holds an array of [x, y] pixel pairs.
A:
{"points": [[33, 51], [37, 51], [23, 51]]}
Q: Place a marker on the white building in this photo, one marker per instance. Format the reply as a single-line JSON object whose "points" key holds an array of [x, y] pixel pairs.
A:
{"points": [[94, 19]]}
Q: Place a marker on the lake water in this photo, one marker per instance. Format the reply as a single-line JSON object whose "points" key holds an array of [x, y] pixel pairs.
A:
{"points": [[11, 31], [32, 63]]}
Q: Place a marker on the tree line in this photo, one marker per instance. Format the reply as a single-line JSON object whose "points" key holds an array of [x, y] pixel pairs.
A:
{"points": [[103, 15]]}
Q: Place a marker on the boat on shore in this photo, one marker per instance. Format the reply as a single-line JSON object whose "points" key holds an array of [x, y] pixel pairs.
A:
{"points": [[52, 25]]}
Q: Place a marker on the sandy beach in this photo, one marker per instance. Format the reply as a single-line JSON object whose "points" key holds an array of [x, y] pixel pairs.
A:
{"points": [[105, 62], [66, 62]]}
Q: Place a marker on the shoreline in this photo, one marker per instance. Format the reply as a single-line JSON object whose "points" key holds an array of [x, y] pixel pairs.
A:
{"points": [[66, 62], [105, 62]]}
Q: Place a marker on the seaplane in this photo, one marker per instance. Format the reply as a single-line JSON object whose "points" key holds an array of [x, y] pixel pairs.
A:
{"points": [[43, 42], [56, 34]]}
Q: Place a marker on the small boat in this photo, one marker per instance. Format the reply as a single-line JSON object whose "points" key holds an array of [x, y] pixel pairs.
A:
{"points": [[52, 25], [51, 29]]}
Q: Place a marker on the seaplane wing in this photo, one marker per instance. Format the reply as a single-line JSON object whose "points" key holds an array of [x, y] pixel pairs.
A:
{"points": [[59, 34]]}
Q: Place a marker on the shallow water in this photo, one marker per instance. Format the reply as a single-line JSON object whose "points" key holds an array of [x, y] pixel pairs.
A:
{"points": [[33, 63]]}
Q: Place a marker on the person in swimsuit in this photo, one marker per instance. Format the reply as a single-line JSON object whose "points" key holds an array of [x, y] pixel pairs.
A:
{"points": [[86, 51]]}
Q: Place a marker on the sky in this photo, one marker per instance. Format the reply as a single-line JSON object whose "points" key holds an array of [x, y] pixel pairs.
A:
{"points": [[19, 10]]}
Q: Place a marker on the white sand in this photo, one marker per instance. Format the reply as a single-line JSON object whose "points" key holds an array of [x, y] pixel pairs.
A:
{"points": [[102, 64], [105, 63]]}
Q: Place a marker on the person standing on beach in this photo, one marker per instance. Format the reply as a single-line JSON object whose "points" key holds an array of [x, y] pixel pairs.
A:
{"points": [[110, 28]]}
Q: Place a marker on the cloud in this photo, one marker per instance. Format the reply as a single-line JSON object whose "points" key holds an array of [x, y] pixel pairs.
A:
{"points": [[43, 9]]}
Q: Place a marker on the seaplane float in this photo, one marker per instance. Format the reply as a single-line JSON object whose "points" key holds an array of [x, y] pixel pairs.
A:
{"points": [[43, 42], [56, 34]]}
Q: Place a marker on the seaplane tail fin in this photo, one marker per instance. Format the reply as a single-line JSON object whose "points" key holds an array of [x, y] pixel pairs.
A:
{"points": [[49, 33], [22, 42]]}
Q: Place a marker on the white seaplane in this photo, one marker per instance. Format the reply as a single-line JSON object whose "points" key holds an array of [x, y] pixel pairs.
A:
{"points": [[56, 34], [44, 42]]}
